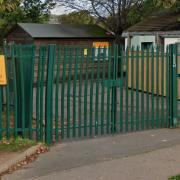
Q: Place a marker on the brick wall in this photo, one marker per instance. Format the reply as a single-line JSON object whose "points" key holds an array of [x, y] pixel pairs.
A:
{"points": [[70, 42], [19, 36]]}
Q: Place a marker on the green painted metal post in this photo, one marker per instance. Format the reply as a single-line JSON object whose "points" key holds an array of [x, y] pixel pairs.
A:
{"points": [[44, 54], [147, 89], [62, 92], [114, 90], [49, 92], [167, 87], [80, 93], [86, 61], [157, 87], [127, 90], [162, 89], [121, 88], [108, 90], [57, 94], [173, 85], [137, 88], [91, 92], [15, 92], [21, 105], [75, 92], [7, 99], [97, 93], [152, 87], [102, 90], [68, 93], [1, 131], [132, 89], [38, 95]]}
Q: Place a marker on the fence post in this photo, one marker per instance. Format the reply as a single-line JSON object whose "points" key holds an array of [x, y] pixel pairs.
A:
{"points": [[114, 89], [173, 85], [49, 94]]}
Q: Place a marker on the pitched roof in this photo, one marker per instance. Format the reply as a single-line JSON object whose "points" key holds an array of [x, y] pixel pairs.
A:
{"points": [[162, 21], [64, 31]]}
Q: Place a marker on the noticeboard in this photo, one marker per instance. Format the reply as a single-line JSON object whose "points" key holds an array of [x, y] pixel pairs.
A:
{"points": [[3, 79], [101, 44]]}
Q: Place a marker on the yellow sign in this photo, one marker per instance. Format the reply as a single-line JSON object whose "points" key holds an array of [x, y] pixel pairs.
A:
{"points": [[101, 44], [3, 79], [85, 52]]}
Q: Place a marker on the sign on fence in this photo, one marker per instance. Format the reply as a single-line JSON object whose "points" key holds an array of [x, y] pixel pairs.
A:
{"points": [[3, 79]]}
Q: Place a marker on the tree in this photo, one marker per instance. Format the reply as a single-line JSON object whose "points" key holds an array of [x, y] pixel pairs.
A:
{"points": [[118, 15], [135, 15], [77, 17], [9, 5], [37, 11], [165, 3], [34, 11], [115, 15]]}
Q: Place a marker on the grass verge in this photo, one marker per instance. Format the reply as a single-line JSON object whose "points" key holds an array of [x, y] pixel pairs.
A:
{"points": [[175, 177], [15, 145]]}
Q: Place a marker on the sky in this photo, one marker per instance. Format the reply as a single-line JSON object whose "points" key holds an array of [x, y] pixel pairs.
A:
{"points": [[58, 10]]}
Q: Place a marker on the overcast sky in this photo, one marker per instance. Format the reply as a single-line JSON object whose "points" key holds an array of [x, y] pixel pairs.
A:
{"points": [[59, 10]]}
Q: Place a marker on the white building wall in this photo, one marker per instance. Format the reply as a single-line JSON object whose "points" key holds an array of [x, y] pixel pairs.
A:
{"points": [[168, 41], [137, 40]]}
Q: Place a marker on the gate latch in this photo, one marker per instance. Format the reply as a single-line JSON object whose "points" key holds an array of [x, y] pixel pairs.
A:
{"points": [[113, 83]]}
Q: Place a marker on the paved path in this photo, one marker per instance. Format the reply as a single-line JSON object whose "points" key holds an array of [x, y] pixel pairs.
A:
{"points": [[145, 155]]}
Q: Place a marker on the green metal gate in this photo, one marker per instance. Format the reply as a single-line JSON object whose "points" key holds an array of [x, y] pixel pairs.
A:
{"points": [[58, 93]]}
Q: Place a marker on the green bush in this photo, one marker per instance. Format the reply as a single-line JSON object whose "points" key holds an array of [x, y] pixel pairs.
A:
{"points": [[175, 178]]}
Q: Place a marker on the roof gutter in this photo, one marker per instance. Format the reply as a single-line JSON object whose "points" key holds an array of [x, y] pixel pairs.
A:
{"points": [[150, 33]]}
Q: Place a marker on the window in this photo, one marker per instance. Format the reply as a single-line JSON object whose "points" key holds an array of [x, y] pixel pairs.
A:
{"points": [[101, 50], [146, 45]]}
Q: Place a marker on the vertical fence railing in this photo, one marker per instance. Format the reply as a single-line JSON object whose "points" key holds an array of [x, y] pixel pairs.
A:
{"points": [[58, 93]]}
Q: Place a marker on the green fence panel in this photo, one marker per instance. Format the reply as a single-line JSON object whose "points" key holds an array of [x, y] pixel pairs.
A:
{"points": [[82, 92]]}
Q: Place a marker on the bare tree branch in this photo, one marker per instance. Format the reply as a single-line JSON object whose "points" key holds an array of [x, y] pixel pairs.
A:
{"points": [[112, 14]]}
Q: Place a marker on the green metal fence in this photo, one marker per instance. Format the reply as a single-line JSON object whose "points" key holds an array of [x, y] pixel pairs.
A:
{"points": [[58, 93]]}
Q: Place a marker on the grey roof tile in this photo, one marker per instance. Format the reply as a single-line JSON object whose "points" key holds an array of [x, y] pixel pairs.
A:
{"points": [[64, 31]]}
